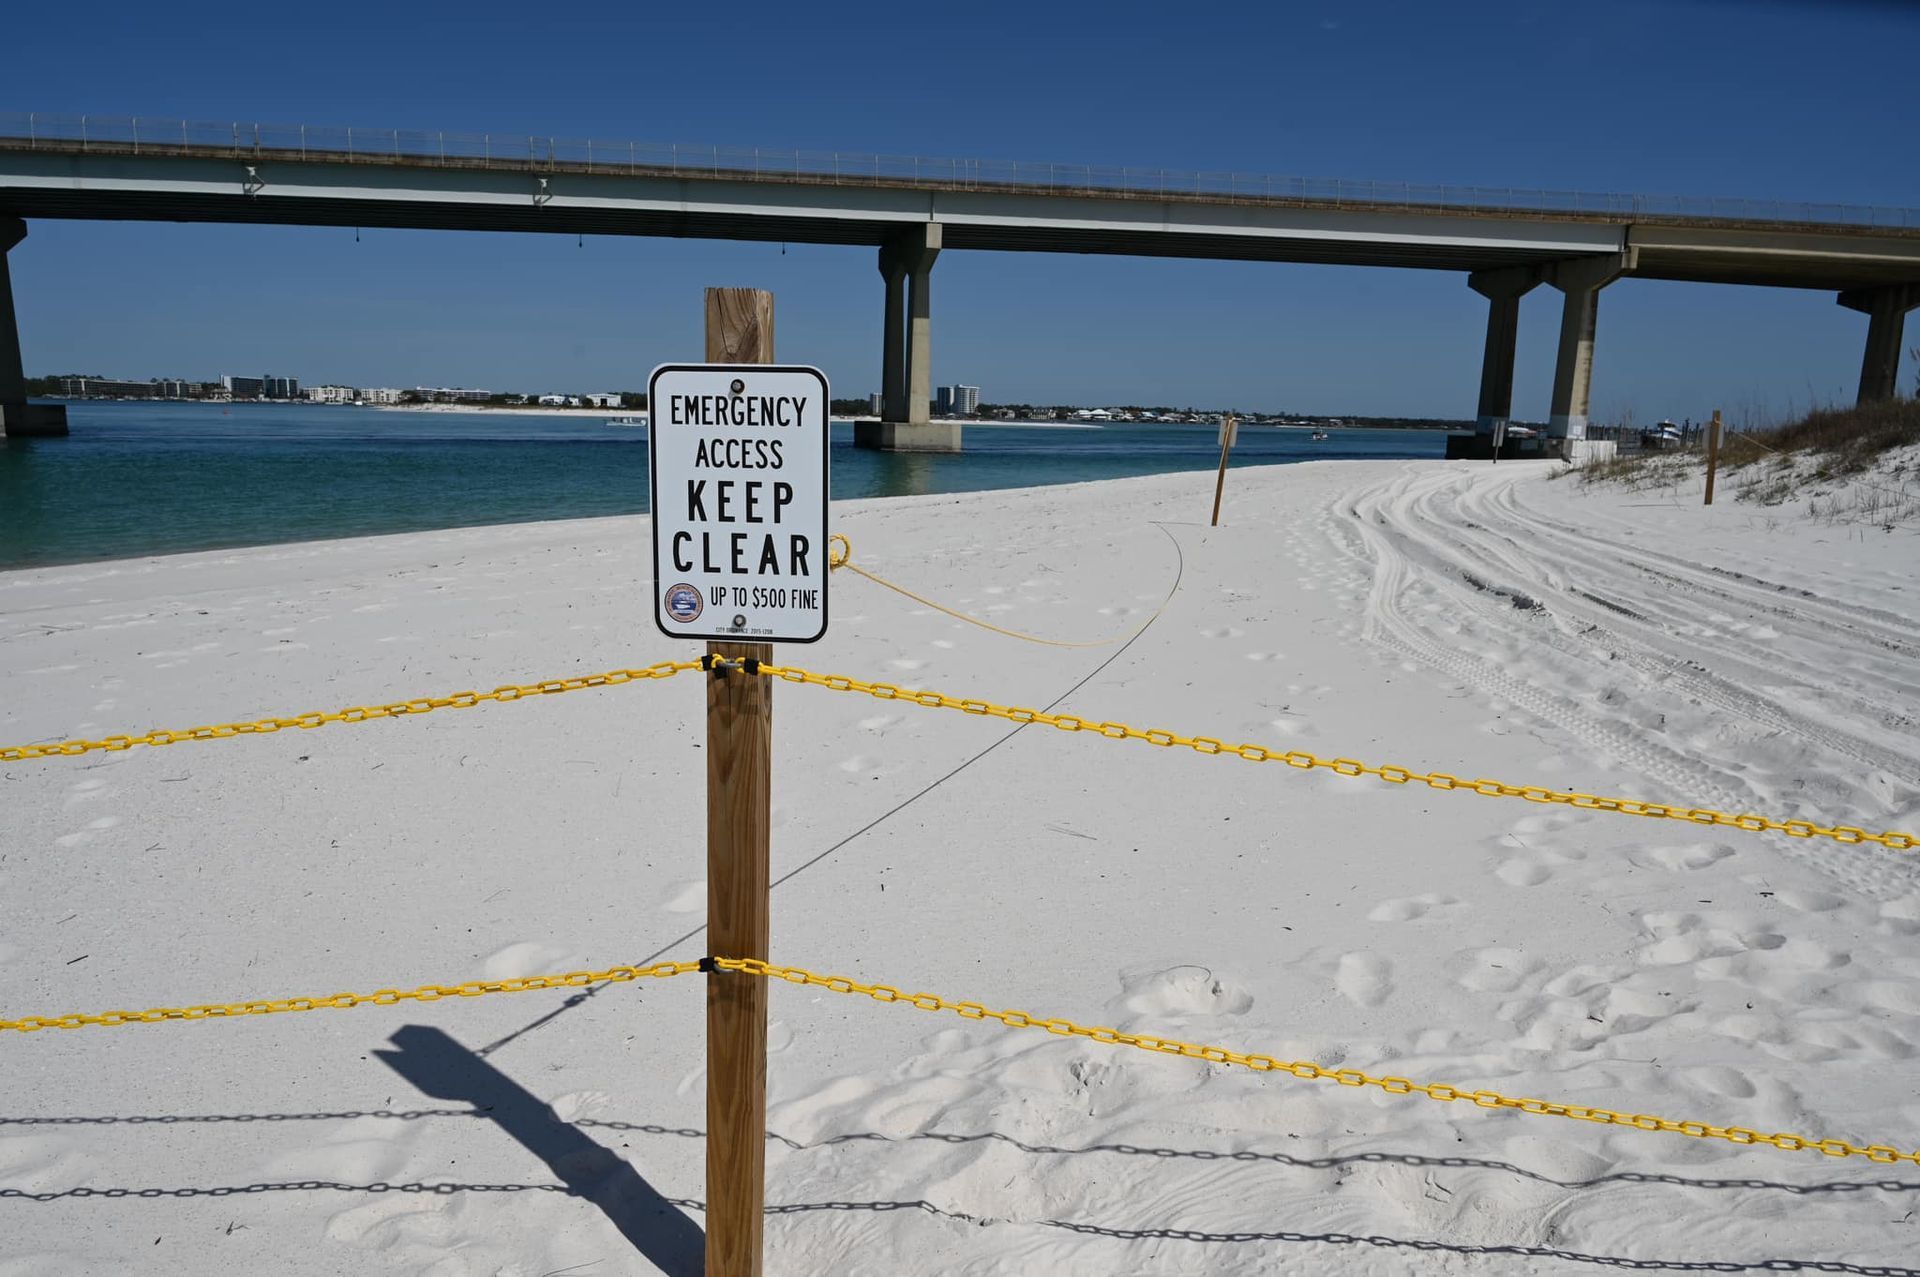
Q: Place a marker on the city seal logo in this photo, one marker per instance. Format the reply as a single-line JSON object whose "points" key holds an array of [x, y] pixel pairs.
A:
{"points": [[683, 603]]}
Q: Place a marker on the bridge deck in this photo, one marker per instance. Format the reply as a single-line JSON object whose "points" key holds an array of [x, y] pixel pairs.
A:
{"points": [[1457, 229]]}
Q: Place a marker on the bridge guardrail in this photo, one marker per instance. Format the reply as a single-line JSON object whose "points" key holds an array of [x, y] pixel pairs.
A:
{"points": [[534, 153]]}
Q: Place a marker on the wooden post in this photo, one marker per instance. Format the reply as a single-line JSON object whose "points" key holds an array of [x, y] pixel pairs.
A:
{"points": [[1713, 452], [739, 768], [1229, 431]]}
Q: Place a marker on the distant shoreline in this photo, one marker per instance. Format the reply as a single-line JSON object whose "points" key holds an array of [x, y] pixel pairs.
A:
{"points": [[528, 410]]}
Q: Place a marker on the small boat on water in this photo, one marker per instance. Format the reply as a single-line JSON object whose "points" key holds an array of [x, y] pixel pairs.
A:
{"points": [[640, 422]]}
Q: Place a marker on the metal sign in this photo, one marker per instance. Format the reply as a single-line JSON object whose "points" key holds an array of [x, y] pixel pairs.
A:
{"points": [[739, 461]]}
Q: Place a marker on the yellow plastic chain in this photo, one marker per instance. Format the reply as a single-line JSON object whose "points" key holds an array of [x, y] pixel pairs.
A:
{"points": [[352, 714], [1892, 839], [347, 1001], [1344, 766], [1306, 1069], [840, 555]]}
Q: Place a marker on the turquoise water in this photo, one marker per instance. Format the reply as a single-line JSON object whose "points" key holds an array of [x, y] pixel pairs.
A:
{"points": [[144, 478]]}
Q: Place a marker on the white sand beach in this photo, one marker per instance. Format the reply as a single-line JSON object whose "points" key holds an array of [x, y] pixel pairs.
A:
{"points": [[1479, 620]]}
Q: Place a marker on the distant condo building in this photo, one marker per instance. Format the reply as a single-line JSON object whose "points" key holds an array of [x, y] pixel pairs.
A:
{"points": [[957, 401], [106, 388], [114, 388]]}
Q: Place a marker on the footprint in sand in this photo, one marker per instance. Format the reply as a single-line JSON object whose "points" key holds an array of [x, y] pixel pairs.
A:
{"points": [[358, 1225], [1717, 1079], [1804, 954], [524, 959], [1900, 997], [1809, 901], [1685, 856], [1183, 990], [1365, 978], [1408, 908], [1902, 916], [1494, 970], [578, 1104], [1290, 723], [1523, 862], [82, 791], [1523, 871]]}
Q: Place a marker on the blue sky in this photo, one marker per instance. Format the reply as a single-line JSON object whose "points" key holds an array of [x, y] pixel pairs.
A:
{"points": [[1756, 99]]}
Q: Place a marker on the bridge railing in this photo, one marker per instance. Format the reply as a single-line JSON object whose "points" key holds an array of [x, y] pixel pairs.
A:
{"points": [[122, 134]]}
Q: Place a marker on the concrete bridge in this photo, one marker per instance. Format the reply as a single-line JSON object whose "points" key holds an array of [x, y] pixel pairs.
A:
{"points": [[1506, 242]]}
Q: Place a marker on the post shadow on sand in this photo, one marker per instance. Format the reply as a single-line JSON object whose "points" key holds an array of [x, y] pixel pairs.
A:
{"points": [[439, 1066]]}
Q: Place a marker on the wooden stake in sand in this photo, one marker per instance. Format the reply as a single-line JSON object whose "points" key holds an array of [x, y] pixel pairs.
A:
{"points": [[739, 769], [1713, 452], [1229, 431]]}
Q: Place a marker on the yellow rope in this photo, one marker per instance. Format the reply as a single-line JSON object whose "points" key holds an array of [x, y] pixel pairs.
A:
{"points": [[840, 555], [1307, 1069], [352, 714], [348, 1001], [1392, 775]]}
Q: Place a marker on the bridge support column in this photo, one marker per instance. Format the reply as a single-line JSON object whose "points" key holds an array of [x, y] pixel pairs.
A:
{"points": [[17, 416], [1503, 290], [1886, 310], [893, 354], [908, 426], [1580, 279]]}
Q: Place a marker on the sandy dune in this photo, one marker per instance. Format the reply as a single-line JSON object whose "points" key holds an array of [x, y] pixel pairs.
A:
{"points": [[1483, 621]]}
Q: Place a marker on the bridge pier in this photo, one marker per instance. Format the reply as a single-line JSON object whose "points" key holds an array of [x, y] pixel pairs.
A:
{"points": [[1580, 279], [907, 351], [1886, 310], [1503, 290], [893, 355], [17, 416]]}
